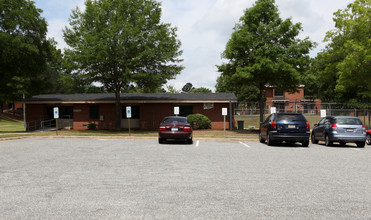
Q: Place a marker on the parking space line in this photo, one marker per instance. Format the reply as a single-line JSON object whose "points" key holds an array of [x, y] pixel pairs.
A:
{"points": [[244, 144], [197, 143]]}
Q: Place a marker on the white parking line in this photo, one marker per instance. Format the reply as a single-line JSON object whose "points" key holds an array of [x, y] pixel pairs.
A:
{"points": [[244, 144], [197, 143]]}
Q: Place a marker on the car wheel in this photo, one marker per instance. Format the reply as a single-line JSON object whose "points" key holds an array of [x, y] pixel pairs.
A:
{"points": [[190, 141], [342, 143], [261, 138], [161, 140], [361, 144], [328, 142], [269, 140], [313, 139], [368, 139], [305, 144]]}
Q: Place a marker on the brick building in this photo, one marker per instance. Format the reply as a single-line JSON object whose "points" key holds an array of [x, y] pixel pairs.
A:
{"points": [[77, 110], [295, 102]]}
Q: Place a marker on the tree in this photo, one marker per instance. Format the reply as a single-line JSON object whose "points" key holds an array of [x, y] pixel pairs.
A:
{"points": [[171, 89], [343, 69], [123, 42], [27, 57], [187, 87], [245, 94], [200, 90], [264, 50]]}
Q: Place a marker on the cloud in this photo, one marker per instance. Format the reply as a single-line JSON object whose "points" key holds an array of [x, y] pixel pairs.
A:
{"points": [[205, 26]]}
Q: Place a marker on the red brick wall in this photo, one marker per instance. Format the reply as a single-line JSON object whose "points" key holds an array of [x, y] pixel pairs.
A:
{"points": [[34, 114], [81, 116], [150, 115]]}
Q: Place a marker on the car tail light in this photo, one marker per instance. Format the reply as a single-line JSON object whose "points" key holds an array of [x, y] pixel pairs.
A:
{"points": [[187, 129], [308, 126], [363, 128], [334, 127], [274, 125], [162, 128]]}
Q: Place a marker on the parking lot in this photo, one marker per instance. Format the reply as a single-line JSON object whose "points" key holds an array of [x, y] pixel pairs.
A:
{"points": [[140, 179]]}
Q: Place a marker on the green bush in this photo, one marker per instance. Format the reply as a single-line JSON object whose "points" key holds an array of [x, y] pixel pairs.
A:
{"points": [[91, 126], [199, 121]]}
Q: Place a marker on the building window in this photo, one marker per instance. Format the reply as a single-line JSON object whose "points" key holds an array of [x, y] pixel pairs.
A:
{"points": [[208, 106], [94, 112], [135, 112], [280, 106], [278, 93]]}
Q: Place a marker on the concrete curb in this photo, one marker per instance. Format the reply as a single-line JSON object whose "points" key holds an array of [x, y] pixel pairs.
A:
{"points": [[227, 139]]}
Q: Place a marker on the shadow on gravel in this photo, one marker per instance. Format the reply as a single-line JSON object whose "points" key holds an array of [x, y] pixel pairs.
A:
{"points": [[175, 142], [288, 145]]}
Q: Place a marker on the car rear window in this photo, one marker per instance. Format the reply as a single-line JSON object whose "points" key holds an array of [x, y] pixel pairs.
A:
{"points": [[348, 121], [175, 120], [290, 117]]}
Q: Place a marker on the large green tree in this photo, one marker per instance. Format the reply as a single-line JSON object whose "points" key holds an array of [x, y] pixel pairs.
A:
{"points": [[342, 71], [26, 55], [123, 42], [264, 50]]}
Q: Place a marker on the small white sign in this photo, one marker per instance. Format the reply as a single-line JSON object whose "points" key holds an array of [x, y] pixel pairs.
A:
{"points": [[323, 113], [224, 111], [128, 111], [176, 110], [273, 110], [56, 112]]}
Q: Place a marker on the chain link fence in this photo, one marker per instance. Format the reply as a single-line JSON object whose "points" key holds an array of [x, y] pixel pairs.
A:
{"points": [[249, 112]]}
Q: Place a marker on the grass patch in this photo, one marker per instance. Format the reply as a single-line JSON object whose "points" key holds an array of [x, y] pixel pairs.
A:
{"points": [[9, 125]]}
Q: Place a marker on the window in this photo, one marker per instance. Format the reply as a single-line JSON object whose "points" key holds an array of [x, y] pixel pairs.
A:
{"points": [[278, 93], [135, 112], [94, 112], [280, 106]]}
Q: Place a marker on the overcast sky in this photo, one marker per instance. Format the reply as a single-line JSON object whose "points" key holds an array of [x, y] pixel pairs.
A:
{"points": [[205, 26]]}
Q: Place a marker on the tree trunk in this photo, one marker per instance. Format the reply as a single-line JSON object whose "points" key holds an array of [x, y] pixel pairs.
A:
{"points": [[118, 110]]}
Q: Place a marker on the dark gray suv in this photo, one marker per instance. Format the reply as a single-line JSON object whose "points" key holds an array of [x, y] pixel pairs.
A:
{"points": [[288, 127], [340, 129]]}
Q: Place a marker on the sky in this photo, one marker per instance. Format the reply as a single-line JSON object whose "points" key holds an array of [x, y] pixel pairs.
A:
{"points": [[205, 26]]}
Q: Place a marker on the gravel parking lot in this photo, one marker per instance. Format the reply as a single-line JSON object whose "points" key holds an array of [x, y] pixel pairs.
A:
{"points": [[140, 179]]}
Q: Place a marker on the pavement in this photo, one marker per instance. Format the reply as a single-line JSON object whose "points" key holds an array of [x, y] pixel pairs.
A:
{"points": [[109, 178]]}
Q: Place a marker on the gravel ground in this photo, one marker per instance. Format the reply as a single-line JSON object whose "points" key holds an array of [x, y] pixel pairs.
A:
{"points": [[140, 179]]}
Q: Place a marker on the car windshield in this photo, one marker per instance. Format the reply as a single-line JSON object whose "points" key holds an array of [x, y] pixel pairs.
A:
{"points": [[348, 121], [175, 120], [290, 118]]}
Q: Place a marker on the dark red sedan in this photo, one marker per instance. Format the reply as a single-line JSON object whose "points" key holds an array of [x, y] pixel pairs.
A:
{"points": [[368, 137], [175, 128]]}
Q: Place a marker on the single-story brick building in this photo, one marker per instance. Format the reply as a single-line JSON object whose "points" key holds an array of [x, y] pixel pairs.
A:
{"points": [[77, 110]]}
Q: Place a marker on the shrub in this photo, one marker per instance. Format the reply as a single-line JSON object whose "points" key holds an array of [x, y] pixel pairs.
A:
{"points": [[91, 126], [199, 121]]}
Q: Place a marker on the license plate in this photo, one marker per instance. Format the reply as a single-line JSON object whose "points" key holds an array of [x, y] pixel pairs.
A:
{"points": [[174, 129], [291, 126], [350, 130]]}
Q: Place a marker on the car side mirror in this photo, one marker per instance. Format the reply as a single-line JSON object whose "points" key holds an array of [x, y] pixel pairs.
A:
{"points": [[315, 125]]}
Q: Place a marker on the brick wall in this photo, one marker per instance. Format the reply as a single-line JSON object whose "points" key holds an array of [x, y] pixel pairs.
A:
{"points": [[150, 114]]}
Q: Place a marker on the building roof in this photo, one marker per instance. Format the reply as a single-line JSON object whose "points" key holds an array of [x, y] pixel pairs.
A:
{"points": [[134, 98]]}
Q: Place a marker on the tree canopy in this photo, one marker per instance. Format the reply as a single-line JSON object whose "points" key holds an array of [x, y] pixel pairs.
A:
{"points": [[26, 55], [264, 50], [120, 43], [342, 71]]}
